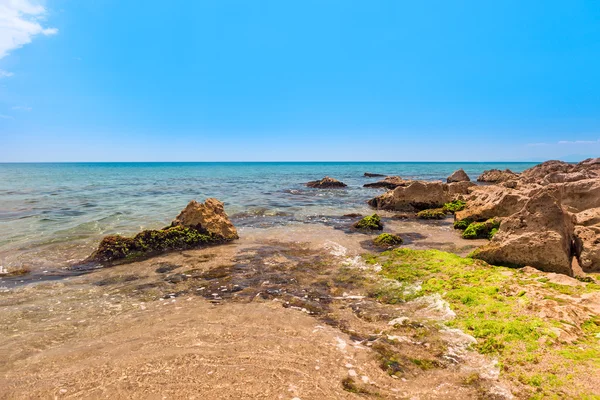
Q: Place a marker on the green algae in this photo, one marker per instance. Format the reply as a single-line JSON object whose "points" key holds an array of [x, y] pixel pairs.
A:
{"points": [[482, 230], [462, 224], [432, 213], [489, 307], [150, 242], [372, 222], [455, 206], [387, 240]]}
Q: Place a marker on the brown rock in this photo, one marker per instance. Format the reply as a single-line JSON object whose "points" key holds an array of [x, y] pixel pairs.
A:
{"points": [[458, 176], [326, 183], [587, 247], [538, 173], [370, 175], [459, 189], [495, 176], [562, 177], [539, 235], [577, 196], [209, 217], [416, 196], [390, 182], [487, 202], [588, 217]]}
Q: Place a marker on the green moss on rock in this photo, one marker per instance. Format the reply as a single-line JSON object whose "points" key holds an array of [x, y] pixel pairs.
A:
{"points": [[482, 230], [150, 242], [454, 206], [432, 213], [372, 222], [387, 240], [462, 224]]}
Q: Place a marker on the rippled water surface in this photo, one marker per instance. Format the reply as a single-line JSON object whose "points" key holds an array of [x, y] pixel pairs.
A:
{"points": [[55, 213]]}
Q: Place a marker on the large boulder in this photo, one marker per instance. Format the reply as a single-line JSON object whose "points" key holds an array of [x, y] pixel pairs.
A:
{"points": [[487, 202], [458, 176], [209, 217], [390, 182], [563, 177], [587, 247], [197, 225], [496, 176], [416, 196], [326, 183], [540, 235]]}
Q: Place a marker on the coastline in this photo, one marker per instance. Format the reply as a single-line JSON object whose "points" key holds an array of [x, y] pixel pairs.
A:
{"points": [[306, 308]]}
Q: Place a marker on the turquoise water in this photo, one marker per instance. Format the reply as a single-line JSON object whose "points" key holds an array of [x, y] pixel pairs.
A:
{"points": [[52, 214]]}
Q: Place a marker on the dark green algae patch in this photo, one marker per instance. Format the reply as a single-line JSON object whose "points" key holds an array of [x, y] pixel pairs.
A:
{"points": [[116, 248]]}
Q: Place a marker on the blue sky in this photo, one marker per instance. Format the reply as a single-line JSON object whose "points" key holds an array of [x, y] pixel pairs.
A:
{"points": [[119, 80]]}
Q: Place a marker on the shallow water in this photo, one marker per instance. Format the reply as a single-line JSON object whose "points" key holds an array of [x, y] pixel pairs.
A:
{"points": [[52, 214]]}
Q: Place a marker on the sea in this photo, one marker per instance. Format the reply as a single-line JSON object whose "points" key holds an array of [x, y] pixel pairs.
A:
{"points": [[54, 214]]}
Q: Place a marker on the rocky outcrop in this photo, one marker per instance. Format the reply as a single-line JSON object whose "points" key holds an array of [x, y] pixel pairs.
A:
{"points": [[539, 235], [370, 175], [577, 196], [458, 176], [538, 173], [487, 202], [197, 225], [390, 182], [326, 183], [416, 196], [209, 217], [496, 176]]}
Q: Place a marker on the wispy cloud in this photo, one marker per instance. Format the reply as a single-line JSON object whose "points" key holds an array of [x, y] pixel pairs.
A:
{"points": [[22, 108], [565, 142], [5, 74], [2, 116], [579, 141], [19, 23]]}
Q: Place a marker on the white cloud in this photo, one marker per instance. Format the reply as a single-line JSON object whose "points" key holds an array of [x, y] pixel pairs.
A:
{"points": [[5, 116], [579, 141], [5, 74], [19, 23], [22, 108]]}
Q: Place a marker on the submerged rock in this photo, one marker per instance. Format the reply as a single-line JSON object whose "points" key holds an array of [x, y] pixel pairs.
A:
{"points": [[326, 183], [458, 176], [372, 222], [496, 176], [432, 213], [416, 196], [197, 225], [539, 235], [390, 182], [387, 240], [370, 175]]}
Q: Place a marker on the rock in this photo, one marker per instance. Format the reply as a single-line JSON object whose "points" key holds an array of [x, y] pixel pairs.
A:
{"points": [[197, 225], [512, 184], [457, 189], [390, 182], [387, 240], [416, 196], [370, 175], [458, 176], [562, 177], [433, 213], [587, 247], [495, 176], [326, 183], [487, 202], [588, 217], [209, 217], [372, 222], [539, 172], [577, 196], [539, 235], [590, 161]]}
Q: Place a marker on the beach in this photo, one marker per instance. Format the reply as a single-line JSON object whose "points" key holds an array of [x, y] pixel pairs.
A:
{"points": [[301, 306]]}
